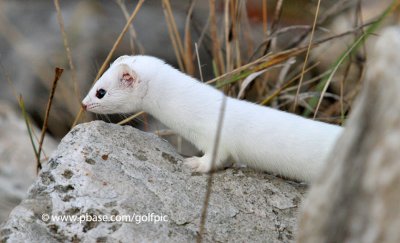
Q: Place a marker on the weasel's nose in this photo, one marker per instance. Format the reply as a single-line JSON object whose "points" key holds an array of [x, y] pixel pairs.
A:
{"points": [[84, 106]]}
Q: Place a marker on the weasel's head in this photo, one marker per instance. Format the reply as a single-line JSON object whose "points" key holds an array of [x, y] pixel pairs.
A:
{"points": [[122, 87]]}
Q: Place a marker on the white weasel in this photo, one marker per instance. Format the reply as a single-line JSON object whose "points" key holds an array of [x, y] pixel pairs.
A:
{"points": [[261, 137]]}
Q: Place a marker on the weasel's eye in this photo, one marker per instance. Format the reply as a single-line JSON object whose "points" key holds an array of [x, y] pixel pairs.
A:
{"points": [[100, 93]]}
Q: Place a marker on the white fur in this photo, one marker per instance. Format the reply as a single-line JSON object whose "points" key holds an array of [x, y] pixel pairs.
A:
{"points": [[261, 137]]}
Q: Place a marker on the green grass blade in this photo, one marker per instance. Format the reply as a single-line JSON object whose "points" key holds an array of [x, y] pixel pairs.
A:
{"points": [[26, 118], [323, 85]]}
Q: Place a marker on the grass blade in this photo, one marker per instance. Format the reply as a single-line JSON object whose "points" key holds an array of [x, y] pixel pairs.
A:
{"points": [[28, 127], [108, 58], [323, 85]]}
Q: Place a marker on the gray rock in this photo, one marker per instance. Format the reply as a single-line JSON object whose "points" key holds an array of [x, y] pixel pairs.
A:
{"points": [[17, 159], [357, 197], [106, 169]]}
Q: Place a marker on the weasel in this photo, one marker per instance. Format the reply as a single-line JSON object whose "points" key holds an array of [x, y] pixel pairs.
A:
{"points": [[260, 137]]}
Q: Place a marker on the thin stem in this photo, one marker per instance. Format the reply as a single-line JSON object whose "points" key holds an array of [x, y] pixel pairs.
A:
{"points": [[211, 174], [67, 50], [58, 73], [108, 58], [307, 55]]}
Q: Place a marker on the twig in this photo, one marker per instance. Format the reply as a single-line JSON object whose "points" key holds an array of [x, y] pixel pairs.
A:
{"points": [[132, 32], [338, 7], [216, 47], [307, 55], [116, 44], [236, 25], [369, 31], [174, 34], [265, 16], [58, 72], [228, 49], [274, 23], [198, 62], [119, 39], [187, 56], [277, 15], [336, 67], [173, 39], [202, 34], [126, 120], [284, 86], [346, 72], [174, 27], [276, 34], [211, 174], [289, 53]]}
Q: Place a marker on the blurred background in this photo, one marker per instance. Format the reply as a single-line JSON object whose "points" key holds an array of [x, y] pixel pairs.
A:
{"points": [[252, 50]]}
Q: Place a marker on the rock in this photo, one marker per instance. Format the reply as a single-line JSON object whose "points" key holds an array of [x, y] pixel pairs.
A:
{"points": [[17, 159], [104, 169], [357, 197]]}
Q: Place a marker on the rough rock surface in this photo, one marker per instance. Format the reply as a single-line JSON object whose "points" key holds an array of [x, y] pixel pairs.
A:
{"points": [[17, 159], [357, 197], [106, 169]]}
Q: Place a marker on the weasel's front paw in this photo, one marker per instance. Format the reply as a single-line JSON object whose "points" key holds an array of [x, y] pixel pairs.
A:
{"points": [[198, 164]]}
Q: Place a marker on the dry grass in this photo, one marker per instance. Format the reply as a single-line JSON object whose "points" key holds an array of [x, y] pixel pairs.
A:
{"points": [[263, 73], [67, 50], [57, 75], [110, 54], [230, 69], [307, 55]]}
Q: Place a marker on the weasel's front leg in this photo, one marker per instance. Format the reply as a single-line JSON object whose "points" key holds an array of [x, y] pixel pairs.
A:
{"points": [[202, 164]]}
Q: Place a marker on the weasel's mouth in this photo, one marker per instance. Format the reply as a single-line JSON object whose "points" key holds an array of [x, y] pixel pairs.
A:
{"points": [[92, 106]]}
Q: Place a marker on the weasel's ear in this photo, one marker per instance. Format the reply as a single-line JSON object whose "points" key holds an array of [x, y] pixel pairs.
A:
{"points": [[126, 75]]}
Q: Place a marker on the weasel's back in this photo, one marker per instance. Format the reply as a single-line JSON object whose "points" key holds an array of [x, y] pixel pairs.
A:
{"points": [[277, 141]]}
